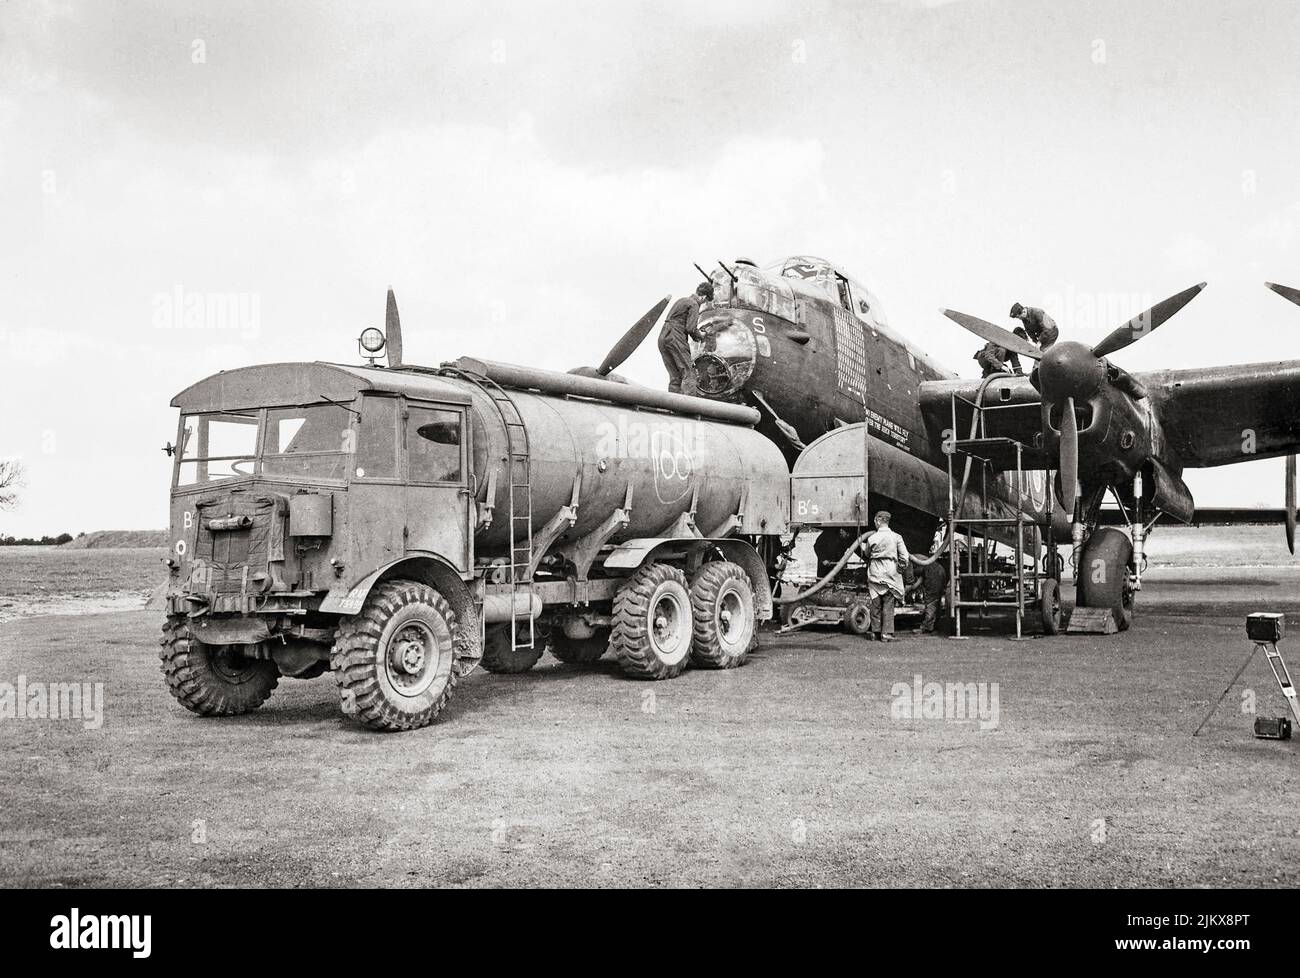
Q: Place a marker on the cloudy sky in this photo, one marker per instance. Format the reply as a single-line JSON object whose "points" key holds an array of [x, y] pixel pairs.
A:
{"points": [[530, 177]]}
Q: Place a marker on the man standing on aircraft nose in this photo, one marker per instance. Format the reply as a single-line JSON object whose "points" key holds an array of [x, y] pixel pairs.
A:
{"points": [[673, 345], [1038, 324], [885, 576]]}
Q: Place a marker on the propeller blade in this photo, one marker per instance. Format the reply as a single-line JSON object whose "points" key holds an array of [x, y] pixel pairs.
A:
{"points": [[1140, 325], [1002, 337], [633, 338], [1290, 503], [1069, 456], [393, 331], [1286, 292]]}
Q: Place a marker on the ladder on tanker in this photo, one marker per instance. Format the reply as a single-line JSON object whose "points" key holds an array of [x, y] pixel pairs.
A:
{"points": [[519, 506], [991, 455]]}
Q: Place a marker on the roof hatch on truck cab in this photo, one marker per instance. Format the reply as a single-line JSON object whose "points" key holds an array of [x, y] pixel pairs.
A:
{"points": [[274, 384]]}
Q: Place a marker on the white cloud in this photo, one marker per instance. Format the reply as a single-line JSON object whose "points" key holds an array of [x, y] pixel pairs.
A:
{"points": [[1279, 230]]}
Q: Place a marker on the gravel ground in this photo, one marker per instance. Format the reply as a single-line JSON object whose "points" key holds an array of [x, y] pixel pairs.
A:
{"points": [[789, 771]]}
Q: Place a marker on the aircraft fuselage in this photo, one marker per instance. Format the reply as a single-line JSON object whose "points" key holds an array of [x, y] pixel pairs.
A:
{"points": [[812, 351]]}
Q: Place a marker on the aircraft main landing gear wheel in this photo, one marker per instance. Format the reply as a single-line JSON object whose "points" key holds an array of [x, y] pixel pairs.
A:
{"points": [[722, 605], [1104, 574], [1049, 606], [501, 657], [653, 623]]}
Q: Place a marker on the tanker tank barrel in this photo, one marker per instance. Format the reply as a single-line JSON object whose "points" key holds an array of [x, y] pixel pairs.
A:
{"points": [[575, 385]]}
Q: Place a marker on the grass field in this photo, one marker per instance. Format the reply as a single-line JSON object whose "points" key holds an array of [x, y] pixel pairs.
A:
{"points": [[792, 771], [60, 580]]}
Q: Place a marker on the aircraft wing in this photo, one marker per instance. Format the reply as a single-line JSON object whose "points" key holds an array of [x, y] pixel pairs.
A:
{"points": [[1220, 415], [1012, 410]]}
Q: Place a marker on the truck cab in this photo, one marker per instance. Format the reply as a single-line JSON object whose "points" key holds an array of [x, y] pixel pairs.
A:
{"points": [[278, 505]]}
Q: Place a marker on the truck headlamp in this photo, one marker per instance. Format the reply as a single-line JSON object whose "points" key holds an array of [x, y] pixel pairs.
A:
{"points": [[372, 341]]}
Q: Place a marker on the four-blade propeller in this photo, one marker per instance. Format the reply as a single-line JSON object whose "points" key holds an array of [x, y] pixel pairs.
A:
{"points": [[1073, 359]]}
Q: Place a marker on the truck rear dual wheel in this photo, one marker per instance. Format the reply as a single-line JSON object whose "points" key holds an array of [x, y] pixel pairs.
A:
{"points": [[579, 651], [500, 655], [722, 606], [397, 662], [214, 680], [653, 623]]}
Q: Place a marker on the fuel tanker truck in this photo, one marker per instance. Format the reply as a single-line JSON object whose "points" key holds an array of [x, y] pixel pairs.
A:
{"points": [[400, 526]]}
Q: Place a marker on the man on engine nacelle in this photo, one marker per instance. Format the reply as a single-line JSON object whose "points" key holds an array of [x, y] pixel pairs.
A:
{"points": [[1038, 324]]}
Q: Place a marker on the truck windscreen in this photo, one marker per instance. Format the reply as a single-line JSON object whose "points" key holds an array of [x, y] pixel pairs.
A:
{"points": [[217, 446], [312, 442]]}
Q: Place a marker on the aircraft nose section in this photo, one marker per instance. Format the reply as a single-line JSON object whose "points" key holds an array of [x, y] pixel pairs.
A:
{"points": [[725, 359], [1070, 369]]}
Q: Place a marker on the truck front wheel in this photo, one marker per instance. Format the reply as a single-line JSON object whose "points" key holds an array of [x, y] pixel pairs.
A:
{"points": [[652, 630], [214, 680], [722, 603], [397, 662]]}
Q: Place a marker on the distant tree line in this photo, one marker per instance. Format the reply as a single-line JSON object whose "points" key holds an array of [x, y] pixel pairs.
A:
{"points": [[46, 541]]}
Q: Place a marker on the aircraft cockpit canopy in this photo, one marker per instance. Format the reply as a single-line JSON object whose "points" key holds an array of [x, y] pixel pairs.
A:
{"points": [[821, 275], [775, 288]]}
